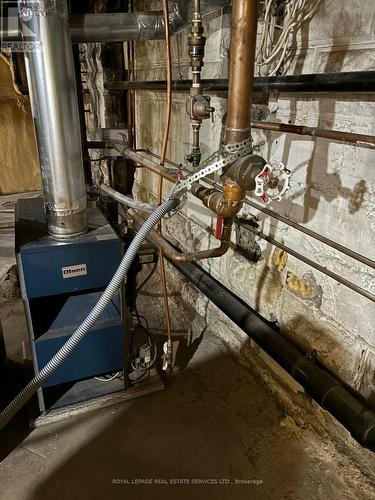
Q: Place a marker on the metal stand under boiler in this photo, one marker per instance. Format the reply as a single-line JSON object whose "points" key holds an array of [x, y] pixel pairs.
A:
{"points": [[60, 283]]}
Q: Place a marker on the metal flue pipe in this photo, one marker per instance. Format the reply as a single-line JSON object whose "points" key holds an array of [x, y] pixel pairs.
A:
{"points": [[126, 26], [53, 98]]}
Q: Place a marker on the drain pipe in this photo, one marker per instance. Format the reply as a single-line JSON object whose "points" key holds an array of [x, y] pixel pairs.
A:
{"points": [[53, 98], [343, 403]]}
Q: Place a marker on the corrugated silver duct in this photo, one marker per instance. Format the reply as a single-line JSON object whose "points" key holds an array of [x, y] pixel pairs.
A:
{"points": [[127, 26], [53, 97]]}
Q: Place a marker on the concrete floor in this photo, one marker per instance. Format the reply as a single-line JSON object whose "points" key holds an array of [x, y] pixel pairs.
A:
{"points": [[213, 421]]}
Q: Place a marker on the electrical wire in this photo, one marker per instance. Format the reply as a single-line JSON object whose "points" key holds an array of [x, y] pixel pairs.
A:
{"points": [[275, 40], [151, 342], [103, 379]]}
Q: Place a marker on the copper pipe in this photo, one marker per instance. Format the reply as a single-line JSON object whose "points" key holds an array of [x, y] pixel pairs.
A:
{"points": [[169, 82], [172, 254], [130, 99], [241, 69], [160, 187], [210, 253], [285, 220], [127, 152], [196, 44], [336, 135], [156, 239]]}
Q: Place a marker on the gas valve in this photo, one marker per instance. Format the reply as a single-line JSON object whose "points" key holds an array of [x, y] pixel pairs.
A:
{"points": [[272, 182]]}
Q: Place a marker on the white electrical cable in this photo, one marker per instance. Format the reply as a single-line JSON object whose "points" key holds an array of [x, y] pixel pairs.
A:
{"points": [[275, 40], [103, 379]]}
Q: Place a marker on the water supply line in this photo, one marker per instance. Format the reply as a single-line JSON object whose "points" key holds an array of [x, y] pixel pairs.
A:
{"points": [[74, 340], [198, 106], [242, 56], [191, 257], [285, 220], [224, 204], [169, 347]]}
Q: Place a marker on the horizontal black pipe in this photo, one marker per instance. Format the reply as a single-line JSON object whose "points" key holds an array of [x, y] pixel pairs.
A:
{"points": [[347, 406], [357, 81]]}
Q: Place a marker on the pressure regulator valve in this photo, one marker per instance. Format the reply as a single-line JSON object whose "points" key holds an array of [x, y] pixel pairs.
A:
{"points": [[272, 182]]}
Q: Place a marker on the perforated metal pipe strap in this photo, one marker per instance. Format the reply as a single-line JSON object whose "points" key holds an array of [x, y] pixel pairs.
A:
{"points": [[80, 333]]}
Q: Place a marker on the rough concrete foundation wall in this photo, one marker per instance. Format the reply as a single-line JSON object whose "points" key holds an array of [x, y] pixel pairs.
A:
{"points": [[332, 188]]}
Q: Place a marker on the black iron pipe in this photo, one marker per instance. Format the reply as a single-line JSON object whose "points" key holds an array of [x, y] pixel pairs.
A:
{"points": [[354, 81], [214, 85], [343, 403]]}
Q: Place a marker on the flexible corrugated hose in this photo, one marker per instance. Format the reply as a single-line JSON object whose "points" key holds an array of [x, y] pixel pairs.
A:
{"points": [[64, 352]]}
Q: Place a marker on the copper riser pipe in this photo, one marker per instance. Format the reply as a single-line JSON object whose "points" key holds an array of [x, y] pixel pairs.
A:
{"points": [[241, 69], [241, 77]]}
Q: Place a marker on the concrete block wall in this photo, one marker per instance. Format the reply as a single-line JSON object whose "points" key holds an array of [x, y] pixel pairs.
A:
{"points": [[332, 189]]}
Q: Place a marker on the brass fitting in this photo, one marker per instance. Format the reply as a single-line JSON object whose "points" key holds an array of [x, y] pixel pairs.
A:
{"points": [[232, 192], [196, 44], [215, 200]]}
